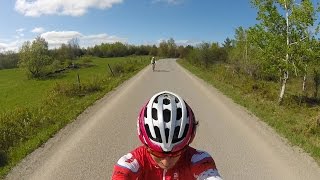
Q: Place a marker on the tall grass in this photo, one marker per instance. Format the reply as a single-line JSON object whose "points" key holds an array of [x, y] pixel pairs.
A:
{"points": [[297, 122]]}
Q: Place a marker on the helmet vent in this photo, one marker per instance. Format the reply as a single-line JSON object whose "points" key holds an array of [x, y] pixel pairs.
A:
{"points": [[179, 113], [186, 129], [156, 130], [187, 111], [156, 99], [177, 100], [166, 115], [166, 101], [167, 134], [145, 112], [154, 114], [176, 134]]}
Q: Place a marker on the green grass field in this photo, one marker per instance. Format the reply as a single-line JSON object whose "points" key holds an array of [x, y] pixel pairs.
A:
{"points": [[16, 90], [31, 111]]}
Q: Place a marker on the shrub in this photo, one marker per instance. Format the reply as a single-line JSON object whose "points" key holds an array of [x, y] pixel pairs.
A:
{"points": [[73, 89], [93, 85], [86, 59], [118, 68], [15, 127]]}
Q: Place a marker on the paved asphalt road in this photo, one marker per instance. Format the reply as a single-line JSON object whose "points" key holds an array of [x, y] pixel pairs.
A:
{"points": [[243, 147]]}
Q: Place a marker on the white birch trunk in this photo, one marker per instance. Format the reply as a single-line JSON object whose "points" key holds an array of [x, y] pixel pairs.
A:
{"points": [[286, 72], [304, 80], [283, 87], [304, 83]]}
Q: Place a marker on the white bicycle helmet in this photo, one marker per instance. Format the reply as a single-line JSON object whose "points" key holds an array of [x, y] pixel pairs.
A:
{"points": [[166, 123]]}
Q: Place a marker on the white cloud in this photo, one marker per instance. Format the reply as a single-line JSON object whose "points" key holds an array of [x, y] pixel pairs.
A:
{"points": [[61, 7], [19, 33], [3, 46], [11, 46], [57, 38], [91, 40], [182, 42], [174, 2], [20, 30], [38, 30], [187, 42]]}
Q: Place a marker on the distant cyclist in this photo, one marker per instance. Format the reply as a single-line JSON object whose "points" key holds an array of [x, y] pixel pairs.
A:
{"points": [[153, 63], [166, 126]]}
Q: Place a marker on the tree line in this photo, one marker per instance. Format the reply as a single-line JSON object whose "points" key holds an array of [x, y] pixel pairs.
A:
{"points": [[38, 60]]}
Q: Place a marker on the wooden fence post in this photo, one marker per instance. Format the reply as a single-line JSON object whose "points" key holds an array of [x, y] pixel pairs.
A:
{"points": [[79, 81], [111, 70]]}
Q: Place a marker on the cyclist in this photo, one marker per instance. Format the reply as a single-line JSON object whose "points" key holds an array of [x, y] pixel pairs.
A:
{"points": [[153, 63], [166, 126]]}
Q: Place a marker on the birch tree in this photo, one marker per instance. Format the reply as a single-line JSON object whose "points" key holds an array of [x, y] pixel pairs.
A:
{"points": [[282, 32], [303, 41]]}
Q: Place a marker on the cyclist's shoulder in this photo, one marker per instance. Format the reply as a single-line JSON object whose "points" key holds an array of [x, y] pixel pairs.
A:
{"points": [[138, 152], [197, 156], [132, 160], [202, 164]]}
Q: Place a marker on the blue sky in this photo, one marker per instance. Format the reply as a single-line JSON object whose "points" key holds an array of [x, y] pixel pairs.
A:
{"points": [[129, 21]]}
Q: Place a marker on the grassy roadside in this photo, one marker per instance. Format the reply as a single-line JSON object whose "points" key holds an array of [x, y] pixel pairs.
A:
{"points": [[17, 90], [296, 123], [46, 106]]}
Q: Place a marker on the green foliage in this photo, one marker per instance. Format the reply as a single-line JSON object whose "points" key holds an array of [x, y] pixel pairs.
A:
{"points": [[283, 39], [62, 54], [125, 67], [316, 80], [154, 51], [286, 47], [109, 50], [239, 53], [194, 56], [163, 49], [172, 48], [34, 58], [312, 127], [13, 127], [70, 51], [8, 60], [184, 51], [169, 49], [56, 65], [206, 54], [227, 44], [119, 49], [74, 50], [86, 60]]}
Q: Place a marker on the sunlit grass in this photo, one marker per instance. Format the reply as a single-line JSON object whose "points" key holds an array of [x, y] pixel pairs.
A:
{"points": [[16, 90], [292, 120], [34, 110]]}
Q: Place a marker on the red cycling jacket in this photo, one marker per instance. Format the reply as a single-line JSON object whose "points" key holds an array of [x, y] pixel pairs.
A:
{"points": [[193, 164]]}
